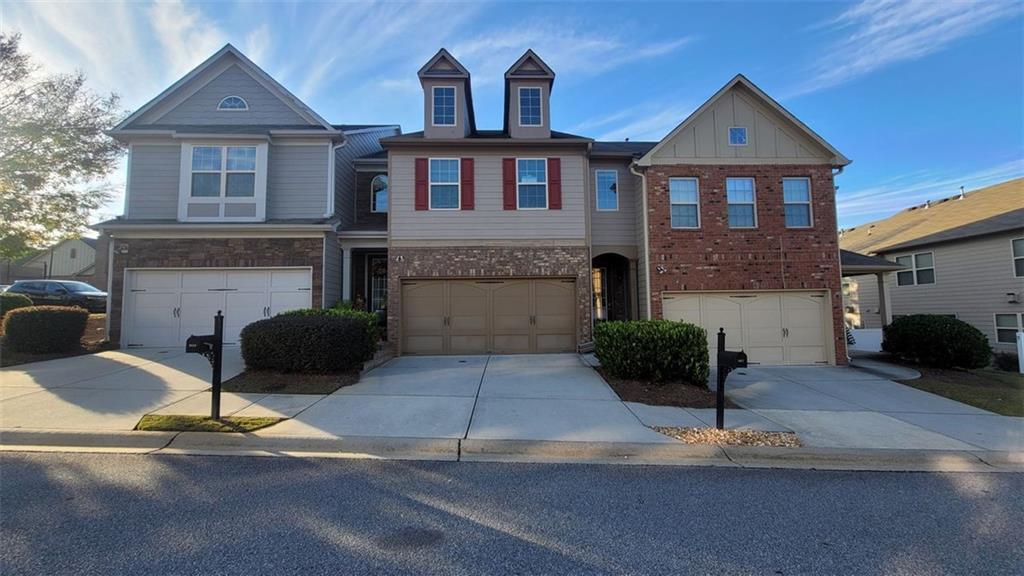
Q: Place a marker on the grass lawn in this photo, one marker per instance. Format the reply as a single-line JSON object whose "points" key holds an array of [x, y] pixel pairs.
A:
{"points": [[662, 393], [204, 423], [989, 389], [268, 382], [93, 340]]}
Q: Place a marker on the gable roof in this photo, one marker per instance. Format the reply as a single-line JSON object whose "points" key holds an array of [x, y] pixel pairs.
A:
{"points": [[444, 65], [985, 211], [855, 262], [837, 157], [529, 66], [255, 71]]}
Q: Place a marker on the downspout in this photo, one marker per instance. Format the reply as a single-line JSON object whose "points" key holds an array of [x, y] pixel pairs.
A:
{"points": [[647, 243], [836, 171]]}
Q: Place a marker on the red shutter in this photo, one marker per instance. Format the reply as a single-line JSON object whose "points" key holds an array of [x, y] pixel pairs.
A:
{"points": [[554, 183], [508, 181], [466, 175], [422, 203]]}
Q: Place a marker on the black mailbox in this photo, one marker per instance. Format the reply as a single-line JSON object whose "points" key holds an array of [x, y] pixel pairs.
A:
{"points": [[200, 344], [730, 359], [727, 362], [211, 346]]}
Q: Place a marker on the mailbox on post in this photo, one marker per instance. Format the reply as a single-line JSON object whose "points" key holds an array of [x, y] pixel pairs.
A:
{"points": [[727, 362], [212, 347]]}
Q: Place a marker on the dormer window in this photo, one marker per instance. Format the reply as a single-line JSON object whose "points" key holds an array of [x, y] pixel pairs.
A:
{"points": [[444, 106], [233, 103], [530, 106]]}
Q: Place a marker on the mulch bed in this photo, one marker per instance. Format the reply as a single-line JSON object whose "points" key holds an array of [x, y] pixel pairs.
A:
{"points": [[662, 394], [268, 382], [731, 437]]}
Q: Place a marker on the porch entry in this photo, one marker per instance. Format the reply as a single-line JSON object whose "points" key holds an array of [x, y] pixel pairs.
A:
{"points": [[610, 284], [488, 316]]}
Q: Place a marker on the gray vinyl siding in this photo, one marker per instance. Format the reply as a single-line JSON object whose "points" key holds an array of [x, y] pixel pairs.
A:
{"points": [[972, 279], [357, 146], [297, 181], [489, 220], [617, 227], [332, 270], [201, 107], [154, 174]]}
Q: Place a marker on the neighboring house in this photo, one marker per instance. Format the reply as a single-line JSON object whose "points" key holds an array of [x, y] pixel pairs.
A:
{"points": [[962, 256], [70, 259], [476, 240]]}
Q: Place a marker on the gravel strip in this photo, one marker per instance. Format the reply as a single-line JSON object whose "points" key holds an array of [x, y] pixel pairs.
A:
{"points": [[731, 437]]}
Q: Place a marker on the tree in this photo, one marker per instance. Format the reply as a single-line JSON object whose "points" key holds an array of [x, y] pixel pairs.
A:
{"points": [[53, 150]]}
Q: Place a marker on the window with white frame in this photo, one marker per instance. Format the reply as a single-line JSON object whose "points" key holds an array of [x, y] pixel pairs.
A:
{"points": [[530, 106], [920, 269], [531, 183], [444, 106], [607, 189], [684, 198], [223, 182], [737, 136], [796, 202], [742, 202], [379, 193], [1007, 326], [444, 184], [233, 103], [1018, 257]]}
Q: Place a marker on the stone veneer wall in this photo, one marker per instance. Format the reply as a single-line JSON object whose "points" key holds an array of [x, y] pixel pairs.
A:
{"points": [[211, 253], [769, 257], [489, 262]]}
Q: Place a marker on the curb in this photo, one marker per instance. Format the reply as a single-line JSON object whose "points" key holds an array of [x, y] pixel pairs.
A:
{"points": [[373, 447], [134, 442], [892, 460], [548, 451]]}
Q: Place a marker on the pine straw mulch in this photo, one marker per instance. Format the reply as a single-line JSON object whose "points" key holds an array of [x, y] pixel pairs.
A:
{"points": [[731, 437], [662, 394]]}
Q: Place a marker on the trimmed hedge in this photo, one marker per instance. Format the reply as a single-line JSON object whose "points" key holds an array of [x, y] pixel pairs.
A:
{"points": [[313, 343], [371, 320], [44, 329], [11, 301], [938, 341], [655, 350]]}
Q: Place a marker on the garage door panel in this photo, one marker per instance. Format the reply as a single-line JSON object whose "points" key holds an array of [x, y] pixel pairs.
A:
{"points": [[290, 280], [682, 308], [154, 280], [247, 280], [511, 308], [203, 279], [467, 318], [805, 321], [285, 301], [423, 317], [511, 343], [197, 312], [240, 310], [153, 319], [723, 312]]}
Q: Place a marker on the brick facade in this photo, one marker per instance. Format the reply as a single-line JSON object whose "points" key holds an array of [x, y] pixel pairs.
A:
{"points": [[490, 262], [770, 257], [210, 253]]}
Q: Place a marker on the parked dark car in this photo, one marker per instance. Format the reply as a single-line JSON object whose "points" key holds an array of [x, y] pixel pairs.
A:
{"points": [[62, 293]]}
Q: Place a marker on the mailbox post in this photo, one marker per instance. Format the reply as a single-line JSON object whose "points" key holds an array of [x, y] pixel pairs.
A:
{"points": [[727, 362], [212, 347]]}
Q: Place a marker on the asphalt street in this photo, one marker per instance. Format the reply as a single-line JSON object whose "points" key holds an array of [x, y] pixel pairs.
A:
{"points": [[99, 514]]}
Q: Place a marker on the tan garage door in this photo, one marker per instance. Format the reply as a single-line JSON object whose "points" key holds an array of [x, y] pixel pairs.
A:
{"points": [[771, 327], [488, 316]]}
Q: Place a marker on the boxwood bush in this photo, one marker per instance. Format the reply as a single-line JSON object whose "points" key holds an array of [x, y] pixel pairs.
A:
{"points": [[371, 320], [44, 329], [310, 343], [937, 341], [9, 301], [655, 350]]}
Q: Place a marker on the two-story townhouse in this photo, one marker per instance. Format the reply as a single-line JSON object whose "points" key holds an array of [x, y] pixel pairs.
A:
{"points": [[232, 192]]}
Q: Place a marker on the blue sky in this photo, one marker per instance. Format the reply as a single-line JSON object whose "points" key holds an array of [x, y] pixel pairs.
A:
{"points": [[925, 97]]}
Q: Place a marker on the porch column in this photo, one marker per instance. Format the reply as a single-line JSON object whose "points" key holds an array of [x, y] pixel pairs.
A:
{"points": [[346, 274], [883, 304]]}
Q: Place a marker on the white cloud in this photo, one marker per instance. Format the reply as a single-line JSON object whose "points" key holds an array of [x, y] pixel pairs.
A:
{"points": [[187, 37], [899, 192], [878, 33], [257, 44], [648, 121]]}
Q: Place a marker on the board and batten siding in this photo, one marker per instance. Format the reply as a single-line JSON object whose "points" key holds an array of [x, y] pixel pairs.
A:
{"points": [[614, 227], [297, 181], [356, 146], [489, 220], [201, 107], [972, 279], [154, 173]]}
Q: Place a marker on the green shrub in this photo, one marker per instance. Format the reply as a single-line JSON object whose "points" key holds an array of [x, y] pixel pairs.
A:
{"points": [[44, 329], [656, 350], [10, 301], [938, 341], [1006, 361], [371, 320], [309, 343]]}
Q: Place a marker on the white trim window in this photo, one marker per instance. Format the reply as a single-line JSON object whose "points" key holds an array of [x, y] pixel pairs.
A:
{"points": [[443, 106], [531, 112], [684, 201], [920, 269], [737, 136], [233, 104], [379, 194], [742, 202], [223, 182], [607, 190], [1007, 326], [1017, 248], [531, 184], [796, 202], [445, 187]]}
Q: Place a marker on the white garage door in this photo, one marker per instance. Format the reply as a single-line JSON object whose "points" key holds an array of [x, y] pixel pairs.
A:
{"points": [[771, 327], [165, 307]]}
